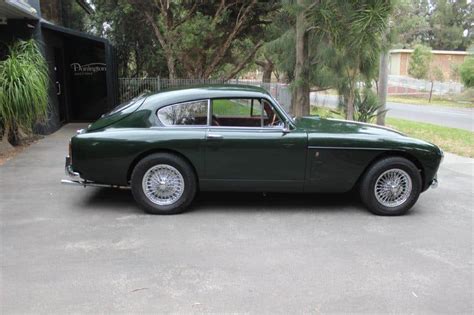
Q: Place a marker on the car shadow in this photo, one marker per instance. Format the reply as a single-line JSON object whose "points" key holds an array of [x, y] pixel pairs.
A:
{"points": [[122, 200]]}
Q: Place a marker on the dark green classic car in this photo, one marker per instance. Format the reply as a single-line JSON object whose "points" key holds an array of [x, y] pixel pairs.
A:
{"points": [[167, 146]]}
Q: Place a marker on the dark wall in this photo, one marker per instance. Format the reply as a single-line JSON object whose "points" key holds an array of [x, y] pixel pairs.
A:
{"points": [[85, 95], [13, 30]]}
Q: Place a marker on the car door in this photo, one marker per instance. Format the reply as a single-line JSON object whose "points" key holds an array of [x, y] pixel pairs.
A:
{"points": [[243, 153]]}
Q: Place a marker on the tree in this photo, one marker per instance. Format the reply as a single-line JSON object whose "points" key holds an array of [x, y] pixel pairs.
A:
{"points": [[137, 53], [300, 100], [355, 29], [201, 37], [467, 72], [441, 24], [451, 24], [420, 62], [194, 39], [336, 43], [411, 23]]}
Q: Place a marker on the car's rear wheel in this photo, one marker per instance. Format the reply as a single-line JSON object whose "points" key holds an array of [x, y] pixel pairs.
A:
{"points": [[163, 183], [391, 186]]}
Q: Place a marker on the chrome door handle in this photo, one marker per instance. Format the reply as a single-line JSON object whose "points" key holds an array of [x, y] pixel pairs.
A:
{"points": [[214, 136], [58, 92]]}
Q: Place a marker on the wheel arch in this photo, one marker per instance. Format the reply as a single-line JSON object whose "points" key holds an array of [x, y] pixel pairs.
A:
{"points": [[154, 151], [393, 153]]}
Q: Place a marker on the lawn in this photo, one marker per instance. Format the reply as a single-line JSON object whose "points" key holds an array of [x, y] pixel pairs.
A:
{"points": [[452, 140], [464, 100], [230, 107]]}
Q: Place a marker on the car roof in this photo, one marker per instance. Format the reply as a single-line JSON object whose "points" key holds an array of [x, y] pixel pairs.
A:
{"points": [[199, 92]]}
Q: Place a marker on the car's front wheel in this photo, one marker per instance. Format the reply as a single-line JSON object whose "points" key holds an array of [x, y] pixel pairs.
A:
{"points": [[391, 186], [163, 183]]}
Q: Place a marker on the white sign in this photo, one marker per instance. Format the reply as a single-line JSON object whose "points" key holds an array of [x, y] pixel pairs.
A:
{"points": [[88, 69]]}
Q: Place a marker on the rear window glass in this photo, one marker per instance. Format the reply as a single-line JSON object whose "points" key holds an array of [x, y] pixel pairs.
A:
{"points": [[188, 114], [128, 106]]}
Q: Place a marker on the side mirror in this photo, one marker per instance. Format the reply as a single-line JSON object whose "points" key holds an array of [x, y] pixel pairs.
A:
{"points": [[286, 128]]}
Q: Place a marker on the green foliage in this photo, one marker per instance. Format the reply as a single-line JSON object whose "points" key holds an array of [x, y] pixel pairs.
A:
{"points": [[366, 105], [440, 24], [410, 23], [23, 88], [448, 20], [122, 23], [194, 39], [353, 32], [467, 72], [420, 62]]}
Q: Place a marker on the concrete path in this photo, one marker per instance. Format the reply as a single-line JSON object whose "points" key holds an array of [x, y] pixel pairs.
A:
{"points": [[462, 118], [88, 250]]}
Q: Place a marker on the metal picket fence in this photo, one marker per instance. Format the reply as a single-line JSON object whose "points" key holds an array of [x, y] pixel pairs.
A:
{"points": [[403, 85], [131, 87]]}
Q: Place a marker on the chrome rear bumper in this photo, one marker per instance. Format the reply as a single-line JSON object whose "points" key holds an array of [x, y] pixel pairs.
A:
{"points": [[75, 178]]}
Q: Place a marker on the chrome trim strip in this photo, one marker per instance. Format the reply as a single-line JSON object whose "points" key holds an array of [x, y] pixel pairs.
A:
{"points": [[277, 129], [347, 148], [92, 184], [209, 114]]}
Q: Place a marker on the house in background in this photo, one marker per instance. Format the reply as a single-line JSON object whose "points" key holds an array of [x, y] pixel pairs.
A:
{"points": [[82, 67], [445, 60]]}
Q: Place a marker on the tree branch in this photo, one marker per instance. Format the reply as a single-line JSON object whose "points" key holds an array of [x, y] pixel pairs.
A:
{"points": [[188, 16], [220, 54], [244, 61]]}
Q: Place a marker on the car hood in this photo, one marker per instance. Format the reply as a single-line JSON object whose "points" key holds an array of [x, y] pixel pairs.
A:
{"points": [[338, 126]]}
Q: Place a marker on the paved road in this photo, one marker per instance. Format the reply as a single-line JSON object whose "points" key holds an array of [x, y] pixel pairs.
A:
{"points": [[71, 249], [462, 118]]}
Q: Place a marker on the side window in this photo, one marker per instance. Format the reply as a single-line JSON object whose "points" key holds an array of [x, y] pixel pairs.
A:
{"points": [[245, 112], [190, 113]]}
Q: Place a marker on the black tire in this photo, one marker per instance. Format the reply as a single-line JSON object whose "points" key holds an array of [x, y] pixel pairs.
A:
{"points": [[367, 187], [175, 162]]}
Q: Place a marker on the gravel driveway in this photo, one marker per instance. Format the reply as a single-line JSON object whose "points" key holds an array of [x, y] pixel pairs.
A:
{"points": [[70, 249]]}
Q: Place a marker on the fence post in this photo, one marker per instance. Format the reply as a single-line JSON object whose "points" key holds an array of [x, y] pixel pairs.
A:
{"points": [[159, 83]]}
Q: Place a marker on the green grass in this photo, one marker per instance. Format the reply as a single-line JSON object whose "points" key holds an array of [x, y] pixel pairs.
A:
{"points": [[233, 108], [435, 101], [452, 140], [225, 107], [325, 112]]}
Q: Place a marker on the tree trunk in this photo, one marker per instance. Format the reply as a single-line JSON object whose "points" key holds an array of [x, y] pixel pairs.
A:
{"points": [[300, 101], [267, 72], [350, 104], [382, 88], [5, 144], [171, 67], [431, 91]]}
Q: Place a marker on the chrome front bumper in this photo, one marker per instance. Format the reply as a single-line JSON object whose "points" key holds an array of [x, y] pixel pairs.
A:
{"points": [[434, 182]]}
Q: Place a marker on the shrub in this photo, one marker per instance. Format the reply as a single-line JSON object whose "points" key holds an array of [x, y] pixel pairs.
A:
{"points": [[23, 89], [366, 105], [467, 72], [420, 62]]}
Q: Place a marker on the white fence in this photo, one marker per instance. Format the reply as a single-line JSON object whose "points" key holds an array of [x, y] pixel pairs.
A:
{"points": [[403, 85], [131, 87]]}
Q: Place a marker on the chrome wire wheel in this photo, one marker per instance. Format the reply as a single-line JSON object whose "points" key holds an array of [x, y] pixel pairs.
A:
{"points": [[393, 187], [163, 184]]}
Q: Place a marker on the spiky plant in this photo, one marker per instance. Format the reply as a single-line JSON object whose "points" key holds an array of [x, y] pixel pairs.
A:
{"points": [[23, 89]]}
